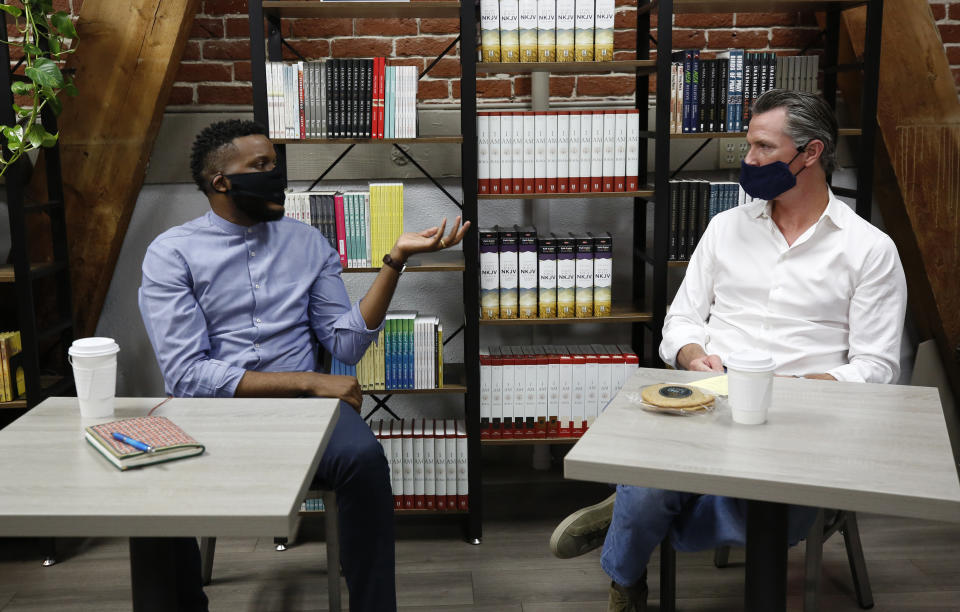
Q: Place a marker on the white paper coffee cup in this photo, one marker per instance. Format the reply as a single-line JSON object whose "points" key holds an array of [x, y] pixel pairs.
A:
{"points": [[94, 362], [750, 385]]}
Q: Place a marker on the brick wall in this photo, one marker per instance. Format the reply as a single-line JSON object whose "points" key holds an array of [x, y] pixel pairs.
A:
{"points": [[216, 65]]}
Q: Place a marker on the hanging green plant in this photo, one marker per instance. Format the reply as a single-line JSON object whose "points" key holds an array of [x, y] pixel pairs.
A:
{"points": [[44, 35]]}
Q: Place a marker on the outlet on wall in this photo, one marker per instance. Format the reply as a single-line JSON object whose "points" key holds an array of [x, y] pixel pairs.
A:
{"points": [[732, 151]]}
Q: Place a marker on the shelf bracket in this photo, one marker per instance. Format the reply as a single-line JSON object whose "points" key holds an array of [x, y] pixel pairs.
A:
{"points": [[690, 157], [283, 41], [329, 168], [454, 334], [439, 57], [427, 174]]}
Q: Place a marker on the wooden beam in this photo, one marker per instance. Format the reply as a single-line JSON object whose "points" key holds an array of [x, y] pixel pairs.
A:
{"points": [[917, 166], [127, 56]]}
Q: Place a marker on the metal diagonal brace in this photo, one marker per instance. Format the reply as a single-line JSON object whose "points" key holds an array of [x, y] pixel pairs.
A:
{"points": [[439, 57], [381, 403], [284, 42], [691, 156], [427, 174], [330, 167], [454, 334]]}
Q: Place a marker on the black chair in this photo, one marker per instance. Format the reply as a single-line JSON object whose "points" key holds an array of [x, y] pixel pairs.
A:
{"points": [[826, 524]]}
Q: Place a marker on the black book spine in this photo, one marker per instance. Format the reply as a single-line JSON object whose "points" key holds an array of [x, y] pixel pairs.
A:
{"points": [[722, 101], [693, 203], [368, 99], [333, 84], [712, 101], [674, 220], [682, 222], [354, 115], [703, 210], [704, 96]]}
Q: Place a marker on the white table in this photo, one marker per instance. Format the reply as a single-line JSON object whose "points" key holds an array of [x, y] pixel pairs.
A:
{"points": [[862, 447], [259, 459]]}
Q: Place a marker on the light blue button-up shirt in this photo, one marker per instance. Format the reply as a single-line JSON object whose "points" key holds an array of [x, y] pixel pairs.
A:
{"points": [[218, 299]]}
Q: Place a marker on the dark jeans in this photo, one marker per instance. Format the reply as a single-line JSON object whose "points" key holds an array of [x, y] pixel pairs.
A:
{"points": [[166, 571]]}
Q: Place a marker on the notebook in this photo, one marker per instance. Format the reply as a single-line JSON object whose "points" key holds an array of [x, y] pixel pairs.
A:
{"points": [[169, 441]]}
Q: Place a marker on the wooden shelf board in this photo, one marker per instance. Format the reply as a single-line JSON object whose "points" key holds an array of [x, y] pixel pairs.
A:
{"points": [[14, 405], [453, 376], [299, 8], [647, 193], [647, 66], [421, 139], [618, 316], [702, 135], [760, 6], [403, 512], [441, 261], [7, 274], [677, 264], [525, 441]]}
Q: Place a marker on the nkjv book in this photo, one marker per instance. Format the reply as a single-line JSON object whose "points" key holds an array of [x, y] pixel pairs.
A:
{"points": [[168, 441]]}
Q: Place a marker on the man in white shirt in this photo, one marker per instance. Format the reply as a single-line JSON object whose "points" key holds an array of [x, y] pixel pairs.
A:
{"points": [[797, 274]]}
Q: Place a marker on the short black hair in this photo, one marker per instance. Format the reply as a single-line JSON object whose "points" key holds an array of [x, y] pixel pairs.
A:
{"points": [[809, 117], [211, 142]]}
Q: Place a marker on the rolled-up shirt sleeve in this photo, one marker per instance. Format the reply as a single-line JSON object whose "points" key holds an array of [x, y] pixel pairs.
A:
{"points": [[178, 330], [686, 323], [337, 324], [877, 310]]}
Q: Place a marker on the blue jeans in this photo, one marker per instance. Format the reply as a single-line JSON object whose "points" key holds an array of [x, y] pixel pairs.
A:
{"points": [[643, 517], [166, 571]]}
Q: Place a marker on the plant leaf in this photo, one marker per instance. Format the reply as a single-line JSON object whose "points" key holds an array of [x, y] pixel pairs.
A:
{"points": [[45, 73], [70, 88], [32, 49], [11, 10], [20, 88], [54, 45], [14, 136], [40, 137], [53, 102], [62, 22]]}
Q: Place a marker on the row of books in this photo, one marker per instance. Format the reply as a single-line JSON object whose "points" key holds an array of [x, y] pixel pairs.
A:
{"points": [[342, 98], [715, 95], [12, 383], [527, 276], [428, 462], [546, 30], [360, 225], [693, 203], [408, 354], [558, 151], [549, 391]]}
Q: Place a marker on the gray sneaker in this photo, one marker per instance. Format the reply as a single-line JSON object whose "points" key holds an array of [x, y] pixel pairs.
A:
{"points": [[628, 599], [583, 530]]}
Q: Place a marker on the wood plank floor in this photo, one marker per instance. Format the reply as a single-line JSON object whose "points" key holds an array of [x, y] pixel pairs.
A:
{"points": [[913, 565]]}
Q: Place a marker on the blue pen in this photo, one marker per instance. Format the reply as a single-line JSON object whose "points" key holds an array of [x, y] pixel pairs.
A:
{"points": [[137, 444]]}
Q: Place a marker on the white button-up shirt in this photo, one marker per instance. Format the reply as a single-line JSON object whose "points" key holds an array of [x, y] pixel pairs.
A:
{"points": [[834, 301]]}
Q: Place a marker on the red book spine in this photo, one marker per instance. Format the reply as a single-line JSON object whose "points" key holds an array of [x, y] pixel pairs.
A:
{"points": [[303, 115], [633, 177], [483, 184], [507, 430], [573, 180], [429, 441], [341, 229], [450, 434], [620, 182], [462, 499], [375, 101]]}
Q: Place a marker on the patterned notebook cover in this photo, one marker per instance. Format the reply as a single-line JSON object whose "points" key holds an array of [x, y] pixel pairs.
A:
{"points": [[157, 431]]}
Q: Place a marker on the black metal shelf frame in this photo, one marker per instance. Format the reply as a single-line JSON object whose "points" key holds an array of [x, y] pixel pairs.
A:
{"points": [[274, 49], [17, 177]]}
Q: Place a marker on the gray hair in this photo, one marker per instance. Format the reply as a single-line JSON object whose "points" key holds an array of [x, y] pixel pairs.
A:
{"points": [[809, 117]]}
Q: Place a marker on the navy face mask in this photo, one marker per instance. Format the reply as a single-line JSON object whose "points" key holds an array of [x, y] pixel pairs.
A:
{"points": [[253, 190], [769, 181]]}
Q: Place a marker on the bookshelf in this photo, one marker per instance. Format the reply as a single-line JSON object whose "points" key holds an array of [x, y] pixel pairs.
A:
{"points": [[657, 258], [44, 312], [457, 381]]}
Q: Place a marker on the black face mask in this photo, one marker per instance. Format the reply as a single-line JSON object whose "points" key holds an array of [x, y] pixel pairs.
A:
{"points": [[252, 191]]}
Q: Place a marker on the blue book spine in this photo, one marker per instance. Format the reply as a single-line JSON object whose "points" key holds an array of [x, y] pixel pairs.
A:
{"points": [[695, 92], [714, 201], [687, 89]]}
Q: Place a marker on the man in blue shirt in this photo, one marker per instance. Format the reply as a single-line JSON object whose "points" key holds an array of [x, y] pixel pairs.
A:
{"points": [[236, 304]]}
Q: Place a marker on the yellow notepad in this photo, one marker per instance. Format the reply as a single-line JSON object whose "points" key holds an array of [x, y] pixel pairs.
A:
{"points": [[716, 384]]}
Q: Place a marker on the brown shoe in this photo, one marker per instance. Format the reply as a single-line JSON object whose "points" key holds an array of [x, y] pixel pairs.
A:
{"points": [[583, 530], [628, 599]]}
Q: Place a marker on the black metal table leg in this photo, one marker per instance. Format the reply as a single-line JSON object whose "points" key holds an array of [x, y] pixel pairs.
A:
{"points": [[766, 581]]}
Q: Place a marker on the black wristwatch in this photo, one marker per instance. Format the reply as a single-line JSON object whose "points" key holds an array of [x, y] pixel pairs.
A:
{"points": [[399, 267]]}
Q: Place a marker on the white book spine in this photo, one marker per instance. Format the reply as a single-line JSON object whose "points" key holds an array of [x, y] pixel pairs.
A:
{"points": [[552, 144], [553, 388], [620, 152], [397, 459], [540, 152], [528, 30], [440, 462], [429, 464], [463, 464], [517, 153], [407, 464], [609, 150], [483, 152], [596, 152], [529, 151], [419, 476], [586, 146], [563, 152], [495, 159], [530, 384], [508, 374], [566, 22], [603, 30], [506, 153], [496, 388], [633, 151], [451, 445], [490, 30], [547, 30], [579, 390], [583, 30], [565, 408], [486, 405], [573, 153], [604, 383], [592, 389], [509, 31], [543, 385]]}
